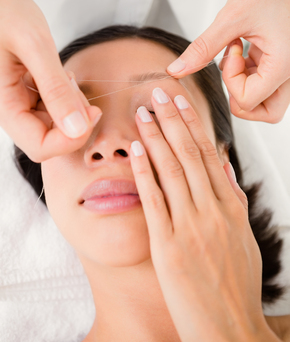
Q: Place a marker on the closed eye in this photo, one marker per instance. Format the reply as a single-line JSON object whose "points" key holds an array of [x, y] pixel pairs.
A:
{"points": [[151, 111]]}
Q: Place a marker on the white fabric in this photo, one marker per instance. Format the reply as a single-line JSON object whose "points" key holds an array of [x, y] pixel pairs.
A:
{"points": [[44, 292]]}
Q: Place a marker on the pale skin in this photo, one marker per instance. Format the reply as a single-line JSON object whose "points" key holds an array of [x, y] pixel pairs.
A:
{"points": [[259, 85], [146, 270]]}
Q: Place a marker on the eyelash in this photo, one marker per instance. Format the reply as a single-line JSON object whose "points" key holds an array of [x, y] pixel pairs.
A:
{"points": [[151, 111]]}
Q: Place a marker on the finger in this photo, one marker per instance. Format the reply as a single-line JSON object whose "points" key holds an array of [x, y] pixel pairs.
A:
{"points": [[151, 196], [57, 93], [184, 148], [214, 168], [255, 54], [271, 110], [30, 85], [170, 172], [230, 172], [242, 85], [226, 54], [206, 46]]}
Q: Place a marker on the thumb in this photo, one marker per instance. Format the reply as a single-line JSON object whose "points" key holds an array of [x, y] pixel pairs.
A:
{"points": [[230, 172], [203, 49], [57, 92]]}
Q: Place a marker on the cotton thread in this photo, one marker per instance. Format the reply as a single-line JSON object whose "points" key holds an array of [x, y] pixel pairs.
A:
{"points": [[117, 91], [136, 85], [39, 197]]}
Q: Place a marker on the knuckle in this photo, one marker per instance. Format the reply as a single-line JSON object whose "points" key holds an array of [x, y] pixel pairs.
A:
{"points": [[275, 118], [154, 199], [155, 135], [172, 168], [207, 149], [171, 114], [54, 89], [199, 47], [191, 121], [189, 150]]}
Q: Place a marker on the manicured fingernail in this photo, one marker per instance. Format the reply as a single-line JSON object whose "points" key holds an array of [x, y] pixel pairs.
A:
{"points": [[74, 125], [160, 96], [180, 102], [177, 66], [75, 85], [233, 173], [97, 119], [137, 148], [144, 114]]}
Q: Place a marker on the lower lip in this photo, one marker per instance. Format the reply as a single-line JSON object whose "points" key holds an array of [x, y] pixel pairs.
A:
{"points": [[113, 204]]}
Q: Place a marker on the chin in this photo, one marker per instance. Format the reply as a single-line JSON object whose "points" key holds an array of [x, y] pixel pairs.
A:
{"points": [[114, 240]]}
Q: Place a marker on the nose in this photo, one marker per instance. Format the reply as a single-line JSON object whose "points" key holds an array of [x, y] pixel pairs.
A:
{"points": [[110, 142]]}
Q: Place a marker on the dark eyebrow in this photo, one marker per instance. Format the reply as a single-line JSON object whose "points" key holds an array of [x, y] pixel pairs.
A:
{"points": [[149, 76], [87, 88]]}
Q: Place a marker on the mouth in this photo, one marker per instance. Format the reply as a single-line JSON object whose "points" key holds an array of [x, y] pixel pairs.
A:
{"points": [[110, 196]]}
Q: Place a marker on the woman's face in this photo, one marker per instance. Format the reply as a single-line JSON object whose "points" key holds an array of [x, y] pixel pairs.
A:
{"points": [[117, 236]]}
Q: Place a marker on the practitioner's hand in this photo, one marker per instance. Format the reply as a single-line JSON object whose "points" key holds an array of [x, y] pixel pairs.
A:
{"points": [[206, 258], [26, 45], [258, 84]]}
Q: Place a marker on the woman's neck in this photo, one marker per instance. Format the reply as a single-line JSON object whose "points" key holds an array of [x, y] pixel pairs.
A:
{"points": [[129, 304]]}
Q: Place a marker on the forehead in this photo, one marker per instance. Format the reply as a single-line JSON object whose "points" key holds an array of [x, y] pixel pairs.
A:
{"points": [[120, 58], [126, 59]]}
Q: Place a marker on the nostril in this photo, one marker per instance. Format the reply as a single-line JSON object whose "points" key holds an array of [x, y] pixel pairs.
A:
{"points": [[122, 153], [97, 156]]}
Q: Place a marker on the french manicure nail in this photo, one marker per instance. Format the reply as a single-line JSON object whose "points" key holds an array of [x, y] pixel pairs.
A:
{"points": [[233, 172], [143, 114], [97, 119], [137, 148], [177, 66], [180, 102], [75, 85], [74, 125], [160, 96]]}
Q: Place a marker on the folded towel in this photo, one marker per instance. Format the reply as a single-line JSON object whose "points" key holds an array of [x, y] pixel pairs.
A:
{"points": [[44, 292]]}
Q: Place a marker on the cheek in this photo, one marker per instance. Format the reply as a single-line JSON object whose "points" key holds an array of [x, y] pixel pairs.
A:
{"points": [[57, 189]]}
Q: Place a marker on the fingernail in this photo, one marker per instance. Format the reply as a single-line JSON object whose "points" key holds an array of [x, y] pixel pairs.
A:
{"points": [[176, 66], [137, 148], [144, 114], [97, 119], [160, 96], [235, 50], [75, 85], [74, 125], [180, 102], [233, 172]]}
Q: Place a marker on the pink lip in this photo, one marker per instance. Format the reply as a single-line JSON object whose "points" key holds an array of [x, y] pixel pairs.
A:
{"points": [[110, 196]]}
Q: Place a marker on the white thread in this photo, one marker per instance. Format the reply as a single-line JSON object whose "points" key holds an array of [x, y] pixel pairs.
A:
{"points": [[39, 197], [136, 85], [113, 92]]}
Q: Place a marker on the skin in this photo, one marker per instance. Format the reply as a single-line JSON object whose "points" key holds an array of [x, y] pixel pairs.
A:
{"points": [[27, 51], [114, 249], [259, 84]]}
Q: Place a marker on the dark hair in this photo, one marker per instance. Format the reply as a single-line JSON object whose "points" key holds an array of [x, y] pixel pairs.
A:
{"points": [[209, 82]]}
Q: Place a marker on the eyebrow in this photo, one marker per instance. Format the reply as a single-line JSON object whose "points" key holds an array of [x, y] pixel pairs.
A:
{"points": [[86, 86], [149, 76]]}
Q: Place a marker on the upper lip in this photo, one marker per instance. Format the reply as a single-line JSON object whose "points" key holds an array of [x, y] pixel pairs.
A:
{"points": [[108, 187]]}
